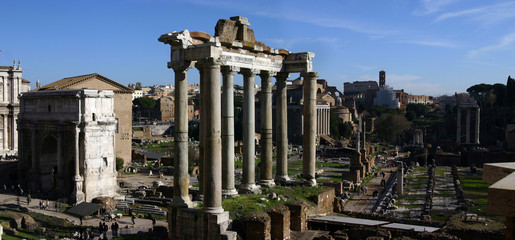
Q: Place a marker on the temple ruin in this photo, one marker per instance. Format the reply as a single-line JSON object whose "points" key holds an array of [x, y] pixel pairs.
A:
{"points": [[233, 49]]}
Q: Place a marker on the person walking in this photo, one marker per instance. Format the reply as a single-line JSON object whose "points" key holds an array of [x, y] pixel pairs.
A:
{"points": [[29, 198], [153, 222], [18, 200], [133, 218], [40, 204]]}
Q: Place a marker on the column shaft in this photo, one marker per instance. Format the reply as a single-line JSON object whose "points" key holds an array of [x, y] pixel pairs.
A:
{"points": [[5, 135], [467, 130], [77, 194], [282, 128], [458, 126], [310, 126], [181, 177], [213, 140], [228, 131], [478, 116], [202, 130], [249, 145], [266, 129]]}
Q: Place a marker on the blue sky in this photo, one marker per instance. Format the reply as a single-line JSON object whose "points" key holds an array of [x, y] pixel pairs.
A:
{"points": [[432, 47]]}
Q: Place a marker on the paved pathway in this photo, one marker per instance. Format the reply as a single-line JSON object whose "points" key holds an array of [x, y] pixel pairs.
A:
{"points": [[125, 223], [365, 202]]}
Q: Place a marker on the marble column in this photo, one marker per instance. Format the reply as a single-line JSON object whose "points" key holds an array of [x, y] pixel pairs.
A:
{"points": [[281, 175], [458, 126], [266, 129], [310, 126], [467, 127], [228, 131], [213, 137], [478, 116], [181, 178], [14, 132], [248, 182], [77, 194]]}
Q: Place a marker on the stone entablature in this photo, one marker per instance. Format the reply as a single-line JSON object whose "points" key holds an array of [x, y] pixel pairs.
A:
{"points": [[67, 142]]}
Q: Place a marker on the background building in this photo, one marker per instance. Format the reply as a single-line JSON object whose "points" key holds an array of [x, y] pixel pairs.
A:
{"points": [[11, 85]]}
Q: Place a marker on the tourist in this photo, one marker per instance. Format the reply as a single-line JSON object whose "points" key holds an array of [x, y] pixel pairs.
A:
{"points": [[40, 204], [18, 200], [55, 206], [47, 204], [100, 227], [113, 228], [133, 218], [29, 198], [5, 189], [153, 222]]}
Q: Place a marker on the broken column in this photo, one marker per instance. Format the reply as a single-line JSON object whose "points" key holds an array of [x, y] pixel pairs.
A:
{"points": [[77, 194], [400, 178], [282, 129], [228, 131], [478, 116], [266, 129], [310, 127]]}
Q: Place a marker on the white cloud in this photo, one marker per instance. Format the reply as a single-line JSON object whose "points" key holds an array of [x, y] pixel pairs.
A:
{"points": [[413, 85], [432, 6], [504, 43], [486, 15], [436, 43]]}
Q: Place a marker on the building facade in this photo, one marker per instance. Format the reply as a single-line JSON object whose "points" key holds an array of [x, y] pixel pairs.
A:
{"points": [[67, 143], [11, 85]]}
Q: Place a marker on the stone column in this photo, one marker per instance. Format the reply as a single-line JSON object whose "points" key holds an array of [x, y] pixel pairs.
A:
{"points": [[5, 135], [228, 131], [60, 165], [467, 129], [309, 137], [266, 129], [200, 177], [400, 178], [77, 194], [248, 182], [180, 176], [478, 116], [14, 132], [458, 126], [213, 139], [281, 128]]}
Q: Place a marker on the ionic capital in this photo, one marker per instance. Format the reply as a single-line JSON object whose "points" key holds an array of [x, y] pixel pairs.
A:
{"points": [[247, 72], [208, 63], [181, 66], [282, 76], [267, 74], [230, 70], [309, 74]]}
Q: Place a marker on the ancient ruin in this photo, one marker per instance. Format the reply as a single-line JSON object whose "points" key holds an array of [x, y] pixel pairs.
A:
{"points": [[66, 141], [233, 49]]}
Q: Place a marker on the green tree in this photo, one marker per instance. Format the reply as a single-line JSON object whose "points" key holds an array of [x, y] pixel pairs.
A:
{"points": [[390, 125], [143, 105]]}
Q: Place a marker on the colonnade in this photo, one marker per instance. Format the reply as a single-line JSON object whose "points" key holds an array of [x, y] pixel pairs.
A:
{"points": [[217, 131], [467, 124], [323, 116]]}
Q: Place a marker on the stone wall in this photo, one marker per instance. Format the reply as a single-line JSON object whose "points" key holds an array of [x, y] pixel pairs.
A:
{"points": [[324, 201], [280, 221], [258, 227]]}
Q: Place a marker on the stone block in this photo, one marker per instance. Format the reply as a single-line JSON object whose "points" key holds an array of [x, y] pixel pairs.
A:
{"points": [[298, 216], [258, 227], [280, 221]]}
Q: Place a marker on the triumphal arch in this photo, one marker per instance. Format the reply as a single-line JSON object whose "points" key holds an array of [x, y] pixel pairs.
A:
{"points": [[233, 49], [66, 143]]}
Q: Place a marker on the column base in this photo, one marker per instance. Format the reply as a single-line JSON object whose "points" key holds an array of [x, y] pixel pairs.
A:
{"points": [[310, 182], [249, 188], [267, 183], [78, 197], [229, 192], [282, 179], [182, 201], [213, 210]]}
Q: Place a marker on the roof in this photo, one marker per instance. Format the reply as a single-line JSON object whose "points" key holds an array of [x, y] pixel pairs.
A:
{"points": [[84, 209], [70, 81]]}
